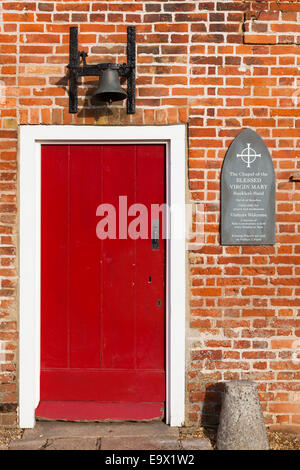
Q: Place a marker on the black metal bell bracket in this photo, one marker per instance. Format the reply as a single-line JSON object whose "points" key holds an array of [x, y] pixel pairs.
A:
{"points": [[76, 70]]}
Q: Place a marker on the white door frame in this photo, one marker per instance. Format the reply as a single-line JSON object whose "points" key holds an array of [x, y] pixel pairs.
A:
{"points": [[31, 139]]}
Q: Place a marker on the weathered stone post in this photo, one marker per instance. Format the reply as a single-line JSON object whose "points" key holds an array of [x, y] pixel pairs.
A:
{"points": [[241, 425]]}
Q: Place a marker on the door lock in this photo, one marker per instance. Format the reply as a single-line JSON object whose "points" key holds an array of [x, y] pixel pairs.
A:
{"points": [[155, 235]]}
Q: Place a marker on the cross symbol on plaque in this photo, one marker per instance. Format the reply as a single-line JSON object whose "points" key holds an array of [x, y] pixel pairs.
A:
{"points": [[248, 155]]}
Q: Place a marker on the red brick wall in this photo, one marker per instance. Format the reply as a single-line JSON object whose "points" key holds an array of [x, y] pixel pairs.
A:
{"points": [[219, 66]]}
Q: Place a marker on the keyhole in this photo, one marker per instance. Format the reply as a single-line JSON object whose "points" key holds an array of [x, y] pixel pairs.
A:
{"points": [[149, 280]]}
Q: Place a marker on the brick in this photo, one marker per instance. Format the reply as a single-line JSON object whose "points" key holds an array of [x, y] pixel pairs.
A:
{"points": [[18, 17], [260, 39], [45, 6]]}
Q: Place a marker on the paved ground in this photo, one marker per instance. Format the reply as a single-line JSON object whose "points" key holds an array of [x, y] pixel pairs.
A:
{"points": [[106, 436]]}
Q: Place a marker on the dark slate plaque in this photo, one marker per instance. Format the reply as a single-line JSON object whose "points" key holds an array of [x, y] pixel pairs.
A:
{"points": [[248, 193]]}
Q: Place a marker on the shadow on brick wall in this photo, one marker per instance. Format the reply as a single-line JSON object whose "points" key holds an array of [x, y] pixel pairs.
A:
{"points": [[212, 405], [88, 109]]}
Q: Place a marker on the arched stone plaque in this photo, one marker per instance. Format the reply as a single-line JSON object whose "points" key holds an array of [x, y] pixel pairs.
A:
{"points": [[248, 192]]}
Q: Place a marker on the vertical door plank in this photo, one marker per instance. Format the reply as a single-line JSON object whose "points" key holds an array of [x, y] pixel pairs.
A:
{"points": [[150, 287], [85, 194], [118, 257], [54, 256]]}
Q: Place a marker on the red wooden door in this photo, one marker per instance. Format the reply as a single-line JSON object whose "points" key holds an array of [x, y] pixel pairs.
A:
{"points": [[102, 301]]}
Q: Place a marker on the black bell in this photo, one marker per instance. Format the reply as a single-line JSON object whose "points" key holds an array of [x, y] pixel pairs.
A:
{"points": [[109, 88]]}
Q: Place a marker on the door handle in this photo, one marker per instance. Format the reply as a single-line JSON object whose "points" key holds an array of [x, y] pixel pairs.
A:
{"points": [[155, 235]]}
